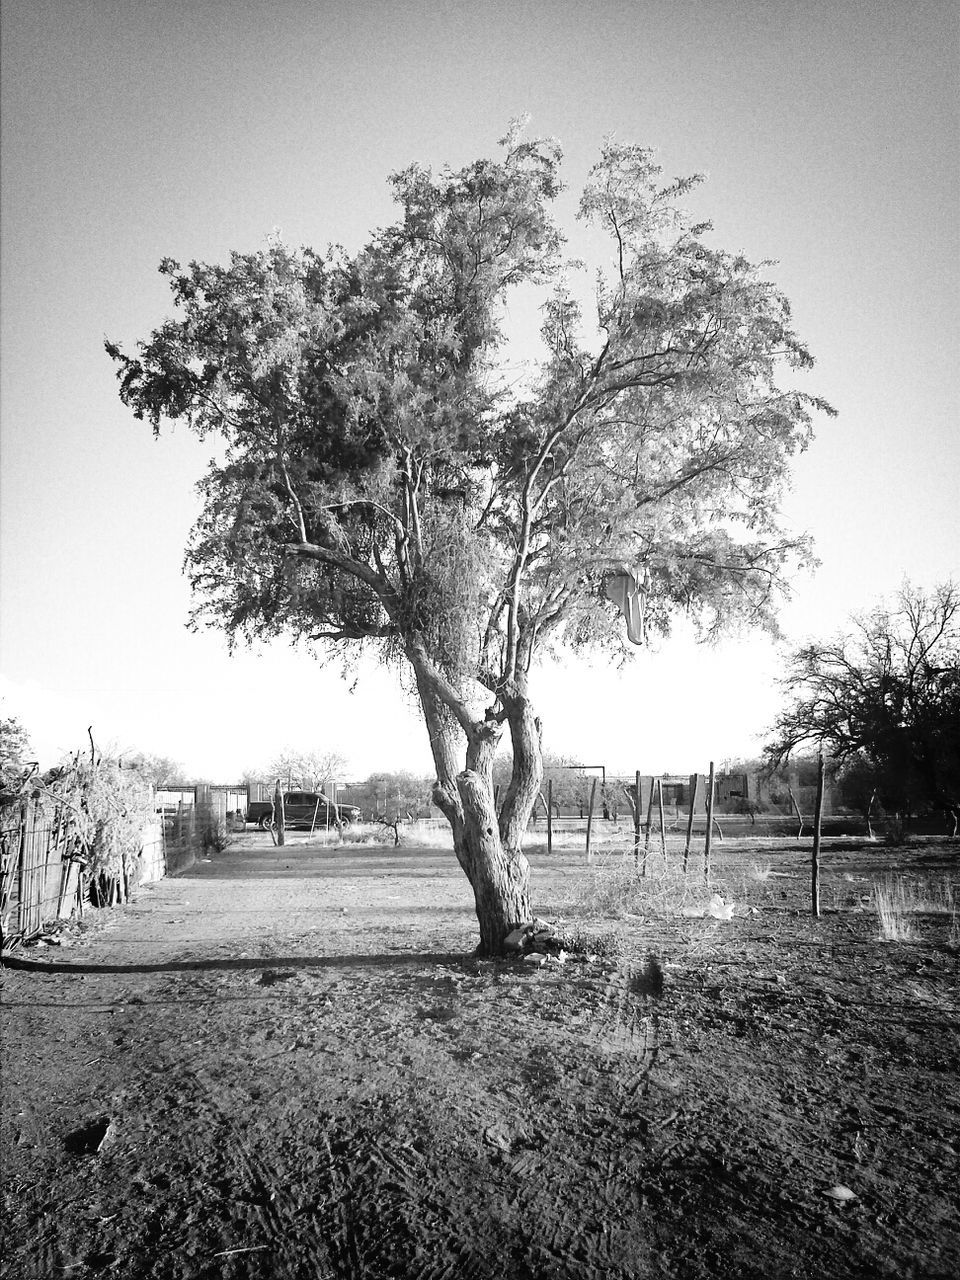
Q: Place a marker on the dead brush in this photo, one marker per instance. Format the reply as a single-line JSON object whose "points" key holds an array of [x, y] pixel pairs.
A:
{"points": [[745, 883], [760, 872], [614, 887], [421, 835], [899, 901]]}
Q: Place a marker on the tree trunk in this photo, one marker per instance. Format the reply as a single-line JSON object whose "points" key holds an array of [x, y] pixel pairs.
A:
{"points": [[487, 849], [445, 740], [815, 858], [499, 877], [527, 776]]}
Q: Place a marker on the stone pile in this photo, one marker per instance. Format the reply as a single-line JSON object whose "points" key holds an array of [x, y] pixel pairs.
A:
{"points": [[539, 943]]}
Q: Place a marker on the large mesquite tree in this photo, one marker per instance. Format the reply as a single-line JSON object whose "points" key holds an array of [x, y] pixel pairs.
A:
{"points": [[382, 486]]}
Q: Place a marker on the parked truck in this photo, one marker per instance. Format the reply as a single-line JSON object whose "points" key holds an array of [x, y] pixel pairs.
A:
{"points": [[301, 809]]}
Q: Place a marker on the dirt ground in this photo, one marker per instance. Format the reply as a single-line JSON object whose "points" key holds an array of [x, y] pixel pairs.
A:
{"points": [[285, 1063]]}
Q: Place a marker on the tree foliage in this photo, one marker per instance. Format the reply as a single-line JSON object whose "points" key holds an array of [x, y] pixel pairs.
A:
{"points": [[382, 485], [883, 699], [393, 796], [15, 749], [157, 771]]}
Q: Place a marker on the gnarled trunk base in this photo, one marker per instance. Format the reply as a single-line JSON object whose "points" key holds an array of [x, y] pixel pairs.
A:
{"points": [[499, 877]]}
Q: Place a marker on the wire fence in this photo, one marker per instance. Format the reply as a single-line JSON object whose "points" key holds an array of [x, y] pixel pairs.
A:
{"points": [[40, 869], [43, 869]]}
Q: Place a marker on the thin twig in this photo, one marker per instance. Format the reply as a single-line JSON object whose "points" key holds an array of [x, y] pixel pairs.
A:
{"points": [[251, 1248]]}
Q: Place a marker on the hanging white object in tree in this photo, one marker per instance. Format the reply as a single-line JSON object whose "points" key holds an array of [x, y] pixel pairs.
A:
{"points": [[628, 593]]}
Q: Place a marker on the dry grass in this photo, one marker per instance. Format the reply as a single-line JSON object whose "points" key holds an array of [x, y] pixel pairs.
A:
{"points": [[603, 834], [761, 873], [425, 835], [898, 902], [613, 887]]}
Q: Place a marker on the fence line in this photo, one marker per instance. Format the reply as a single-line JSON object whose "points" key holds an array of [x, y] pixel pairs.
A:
{"points": [[42, 878]]}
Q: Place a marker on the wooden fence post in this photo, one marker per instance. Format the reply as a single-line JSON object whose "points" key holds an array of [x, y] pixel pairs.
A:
{"points": [[815, 860], [549, 815], [694, 783], [593, 792], [636, 821], [873, 796], [648, 827], [796, 809], [663, 830], [708, 843], [23, 891]]}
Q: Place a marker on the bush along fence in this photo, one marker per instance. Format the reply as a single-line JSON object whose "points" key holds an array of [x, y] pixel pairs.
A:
{"points": [[84, 833]]}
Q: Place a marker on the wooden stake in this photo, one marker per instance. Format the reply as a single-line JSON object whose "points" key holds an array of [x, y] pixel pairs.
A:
{"points": [[663, 830], [649, 825], [23, 877], [593, 792], [796, 809], [708, 843], [815, 860], [549, 815], [694, 783], [636, 821]]}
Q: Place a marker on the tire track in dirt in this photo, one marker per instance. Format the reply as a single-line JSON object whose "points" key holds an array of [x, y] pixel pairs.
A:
{"points": [[375, 1211], [44, 1257], [574, 1212], [296, 1247]]}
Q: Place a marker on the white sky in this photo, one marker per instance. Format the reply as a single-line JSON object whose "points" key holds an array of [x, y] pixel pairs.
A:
{"points": [[135, 129]]}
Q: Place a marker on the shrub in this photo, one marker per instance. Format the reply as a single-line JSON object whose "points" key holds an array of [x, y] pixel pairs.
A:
{"points": [[101, 811]]}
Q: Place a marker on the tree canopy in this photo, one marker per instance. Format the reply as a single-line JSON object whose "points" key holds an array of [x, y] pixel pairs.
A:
{"points": [[15, 749], [158, 771], [393, 796], [382, 485], [883, 698]]}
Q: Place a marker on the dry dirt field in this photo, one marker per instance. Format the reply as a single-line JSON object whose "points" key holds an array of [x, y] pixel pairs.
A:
{"points": [[285, 1063]]}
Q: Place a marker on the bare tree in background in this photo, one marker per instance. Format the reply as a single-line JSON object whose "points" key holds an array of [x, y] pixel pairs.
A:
{"points": [[883, 698]]}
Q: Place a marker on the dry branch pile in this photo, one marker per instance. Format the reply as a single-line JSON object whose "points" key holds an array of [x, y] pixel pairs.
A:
{"points": [[71, 834], [104, 808]]}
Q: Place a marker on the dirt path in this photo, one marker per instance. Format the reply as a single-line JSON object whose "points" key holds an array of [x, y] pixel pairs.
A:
{"points": [[305, 1075]]}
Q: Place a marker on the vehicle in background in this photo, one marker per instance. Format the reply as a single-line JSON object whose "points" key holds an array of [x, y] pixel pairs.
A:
{"points": [[302, 809]]}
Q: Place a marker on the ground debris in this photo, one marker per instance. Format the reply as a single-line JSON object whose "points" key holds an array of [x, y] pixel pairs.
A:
{"points": [[840, 1194]]}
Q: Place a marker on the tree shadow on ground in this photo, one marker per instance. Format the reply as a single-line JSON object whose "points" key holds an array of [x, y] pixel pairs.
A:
{"points": [[267, 963]]}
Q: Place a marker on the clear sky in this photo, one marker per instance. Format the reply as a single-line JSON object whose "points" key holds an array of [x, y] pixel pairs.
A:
{"points": [[136, 129]]}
